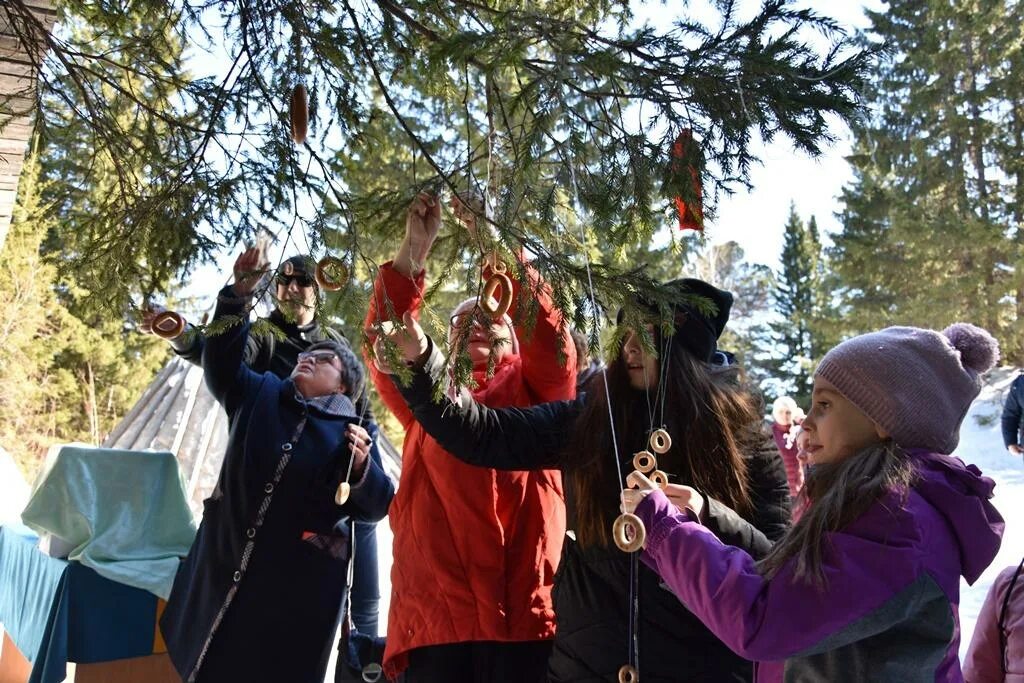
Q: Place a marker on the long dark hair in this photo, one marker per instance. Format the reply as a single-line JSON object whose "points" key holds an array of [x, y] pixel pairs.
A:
{"points": [[834, 495], [713, 420]]}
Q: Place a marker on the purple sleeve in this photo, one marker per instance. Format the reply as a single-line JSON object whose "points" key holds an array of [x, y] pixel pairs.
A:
{"points": [[773, 620]]}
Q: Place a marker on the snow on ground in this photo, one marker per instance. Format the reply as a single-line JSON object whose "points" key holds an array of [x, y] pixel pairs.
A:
{"points": [[981, 443]]}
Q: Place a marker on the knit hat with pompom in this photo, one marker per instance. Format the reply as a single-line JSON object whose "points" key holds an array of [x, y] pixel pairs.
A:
{"points": [[916, 384]]}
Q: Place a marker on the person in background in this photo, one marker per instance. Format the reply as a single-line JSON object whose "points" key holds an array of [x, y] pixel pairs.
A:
{"points": [[788, 417], [259, 596], [586, 365], [1013, 417], [295, 317], [996, 653], [866, 586], [475, 550]]}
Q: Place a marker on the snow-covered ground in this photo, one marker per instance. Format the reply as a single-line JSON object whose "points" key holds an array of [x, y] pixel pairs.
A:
{"points": [[981, 443]]}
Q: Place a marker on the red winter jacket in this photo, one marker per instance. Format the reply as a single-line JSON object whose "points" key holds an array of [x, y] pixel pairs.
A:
{"points": [[475, 550]]}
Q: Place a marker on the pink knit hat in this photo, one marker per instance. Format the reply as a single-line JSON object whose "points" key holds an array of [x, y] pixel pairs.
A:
{"points": [[916, 384], [468, 305]]}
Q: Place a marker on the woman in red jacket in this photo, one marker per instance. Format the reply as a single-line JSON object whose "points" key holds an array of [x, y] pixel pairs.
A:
{"points": [[475, 550]]}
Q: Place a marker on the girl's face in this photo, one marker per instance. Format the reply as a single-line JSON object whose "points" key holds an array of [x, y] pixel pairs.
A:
{"points": [[641, 366], [835, 428]]}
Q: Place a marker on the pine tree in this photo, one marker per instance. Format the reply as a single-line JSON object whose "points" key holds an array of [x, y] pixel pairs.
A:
{"points": [[798, 303], [929, 221], [558, 112]]}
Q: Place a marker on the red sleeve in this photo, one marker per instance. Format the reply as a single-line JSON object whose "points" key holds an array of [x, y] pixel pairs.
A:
{"points": [[546, 376], [393, 295]]}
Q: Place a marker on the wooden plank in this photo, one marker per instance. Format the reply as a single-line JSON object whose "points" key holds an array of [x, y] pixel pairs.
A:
{"points": [[14, 668], [13, 68], [152, 669], [12, 48], [16, 84], [12, 146], [14, 131]]}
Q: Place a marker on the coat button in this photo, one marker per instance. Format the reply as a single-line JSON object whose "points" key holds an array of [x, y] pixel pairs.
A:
{"points": [[250, 533], [237, 577], [286, 447], [269, 488]]}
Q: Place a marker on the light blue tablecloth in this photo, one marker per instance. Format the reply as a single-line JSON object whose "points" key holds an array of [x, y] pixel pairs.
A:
{"points": [[123, 513]]}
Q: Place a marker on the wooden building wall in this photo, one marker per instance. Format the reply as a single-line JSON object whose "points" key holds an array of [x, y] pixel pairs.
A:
{"points": [[17, 92]]}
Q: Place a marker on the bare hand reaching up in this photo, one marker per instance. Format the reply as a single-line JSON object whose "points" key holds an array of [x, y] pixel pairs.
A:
{"points": [[249, 267]]}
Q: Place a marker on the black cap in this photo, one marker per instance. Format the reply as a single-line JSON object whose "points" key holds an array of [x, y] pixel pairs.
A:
{"points": [[297, 265], [696, 331]]}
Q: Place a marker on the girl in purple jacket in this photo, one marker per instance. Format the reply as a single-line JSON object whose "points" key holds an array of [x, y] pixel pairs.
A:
{"points": [[865, 587]]}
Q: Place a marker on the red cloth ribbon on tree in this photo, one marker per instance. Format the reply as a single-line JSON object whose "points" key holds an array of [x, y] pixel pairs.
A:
{"points": [[686, 155]]}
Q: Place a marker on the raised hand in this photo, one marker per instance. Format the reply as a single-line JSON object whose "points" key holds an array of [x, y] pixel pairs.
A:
{"points": [[149, 313], [422, 223], [249, 268], [409, 338], [467, 207]]}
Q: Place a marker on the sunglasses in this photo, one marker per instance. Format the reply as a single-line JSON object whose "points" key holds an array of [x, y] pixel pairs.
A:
{"points": [[300, 280], [318, 357]]}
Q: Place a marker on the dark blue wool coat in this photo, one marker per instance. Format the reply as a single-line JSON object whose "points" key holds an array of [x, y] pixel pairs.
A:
{"points": [[259, 596]]}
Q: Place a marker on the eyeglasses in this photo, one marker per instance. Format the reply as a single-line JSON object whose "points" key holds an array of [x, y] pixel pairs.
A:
{"points": [[467, 318], [318, 357], [300, 280]]}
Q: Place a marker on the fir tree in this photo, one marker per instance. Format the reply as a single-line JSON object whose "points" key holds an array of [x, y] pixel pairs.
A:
{"points": [[557, 112], [931, 222], [797, 302]]}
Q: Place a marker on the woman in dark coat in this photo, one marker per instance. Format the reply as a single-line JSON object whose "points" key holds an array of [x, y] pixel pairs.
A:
{"points": [[259, 596], [719, 450]]}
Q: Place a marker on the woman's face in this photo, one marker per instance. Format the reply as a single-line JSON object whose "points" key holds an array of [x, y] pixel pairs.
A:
{"points": [[835, 427], [641, 366], [785, 416], [318, 373], [482, 341]]}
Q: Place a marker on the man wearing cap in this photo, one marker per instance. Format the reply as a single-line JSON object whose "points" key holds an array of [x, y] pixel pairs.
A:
{"points": [[295, 317], [1013, 417]]}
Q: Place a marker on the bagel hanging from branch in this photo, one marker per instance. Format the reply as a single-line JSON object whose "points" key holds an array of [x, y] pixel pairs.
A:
{"points": [[490, 303], [331, 273]]}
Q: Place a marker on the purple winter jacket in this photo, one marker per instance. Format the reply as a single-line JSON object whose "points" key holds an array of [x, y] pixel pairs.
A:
{"points": [[889, 611]]}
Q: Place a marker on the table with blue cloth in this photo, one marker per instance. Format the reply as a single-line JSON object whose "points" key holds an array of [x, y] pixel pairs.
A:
{"points": [[124, 522], [56, 611]]}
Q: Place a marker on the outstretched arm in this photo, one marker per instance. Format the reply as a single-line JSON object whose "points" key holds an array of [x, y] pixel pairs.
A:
{"points": [[873, 582], [505, 439], [398, 289], [225, 354]]}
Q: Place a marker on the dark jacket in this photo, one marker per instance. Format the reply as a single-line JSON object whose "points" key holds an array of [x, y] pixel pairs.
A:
{"points": [[591, 585], [264, 353], [1013, 414], [258, 597]]}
